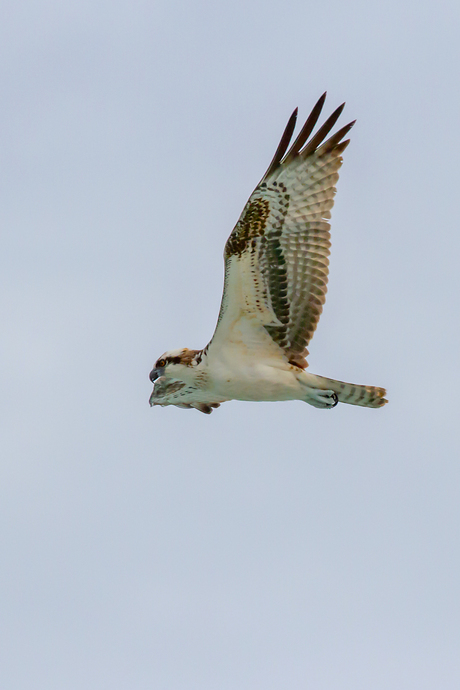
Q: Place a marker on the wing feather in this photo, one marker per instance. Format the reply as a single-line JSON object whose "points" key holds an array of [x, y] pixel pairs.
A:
{"points": [[276, 258], [284, 143], [306, 130]]}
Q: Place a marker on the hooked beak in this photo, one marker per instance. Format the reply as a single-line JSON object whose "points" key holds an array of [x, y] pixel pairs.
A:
{"points": [[154, 374]]}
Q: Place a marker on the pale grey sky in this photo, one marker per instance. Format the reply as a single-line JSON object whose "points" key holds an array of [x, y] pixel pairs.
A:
{"points": [[267, 546]]}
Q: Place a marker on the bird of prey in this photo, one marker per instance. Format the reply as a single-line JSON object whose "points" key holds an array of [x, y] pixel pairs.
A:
{"points": [[276, 270]]}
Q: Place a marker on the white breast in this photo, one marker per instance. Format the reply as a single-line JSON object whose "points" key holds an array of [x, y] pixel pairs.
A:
{"points": [[250, 366]]}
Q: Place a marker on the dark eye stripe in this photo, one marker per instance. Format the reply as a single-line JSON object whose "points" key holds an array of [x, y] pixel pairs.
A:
{"points": [[161, 363]]}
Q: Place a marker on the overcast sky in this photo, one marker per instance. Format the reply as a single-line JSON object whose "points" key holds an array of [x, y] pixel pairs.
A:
{"points": [[268, 546]]}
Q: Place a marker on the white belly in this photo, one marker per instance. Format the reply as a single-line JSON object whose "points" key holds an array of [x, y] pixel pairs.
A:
{"points": [[244, 363], [255, 381]]}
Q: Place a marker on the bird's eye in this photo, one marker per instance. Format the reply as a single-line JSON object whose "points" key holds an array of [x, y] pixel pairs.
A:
{"points": [[161, 363]]}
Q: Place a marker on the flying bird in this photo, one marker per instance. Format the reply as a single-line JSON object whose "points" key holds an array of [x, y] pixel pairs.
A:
{"points": [[276, 271]]}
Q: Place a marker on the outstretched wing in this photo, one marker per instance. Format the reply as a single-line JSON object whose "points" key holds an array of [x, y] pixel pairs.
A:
{"points": [[276, 258]]}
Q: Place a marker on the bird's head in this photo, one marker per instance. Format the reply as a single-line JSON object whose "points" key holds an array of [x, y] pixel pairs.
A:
{"points": [[175, 364], [173, 371]]}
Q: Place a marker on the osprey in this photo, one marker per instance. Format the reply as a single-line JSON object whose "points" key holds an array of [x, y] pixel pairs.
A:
{"points": [[276, 269]]}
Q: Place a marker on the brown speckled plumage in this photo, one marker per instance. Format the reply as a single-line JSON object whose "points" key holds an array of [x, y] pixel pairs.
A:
{"points": [[250, 226]]}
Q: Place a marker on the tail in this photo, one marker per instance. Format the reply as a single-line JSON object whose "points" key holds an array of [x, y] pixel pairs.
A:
{"points": [[366, 396]]}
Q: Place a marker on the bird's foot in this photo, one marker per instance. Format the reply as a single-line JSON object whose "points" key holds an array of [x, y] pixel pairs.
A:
{"points": [[324, 400]]}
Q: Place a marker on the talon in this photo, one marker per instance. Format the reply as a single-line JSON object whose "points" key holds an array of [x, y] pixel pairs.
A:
{"points": [[335, 398]]}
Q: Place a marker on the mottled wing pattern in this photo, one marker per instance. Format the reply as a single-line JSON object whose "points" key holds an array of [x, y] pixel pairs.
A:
{"points": [[276, 258]]}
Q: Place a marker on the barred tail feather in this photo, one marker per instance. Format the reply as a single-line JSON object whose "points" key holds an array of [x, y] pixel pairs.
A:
{"points": [[353, 394]]}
